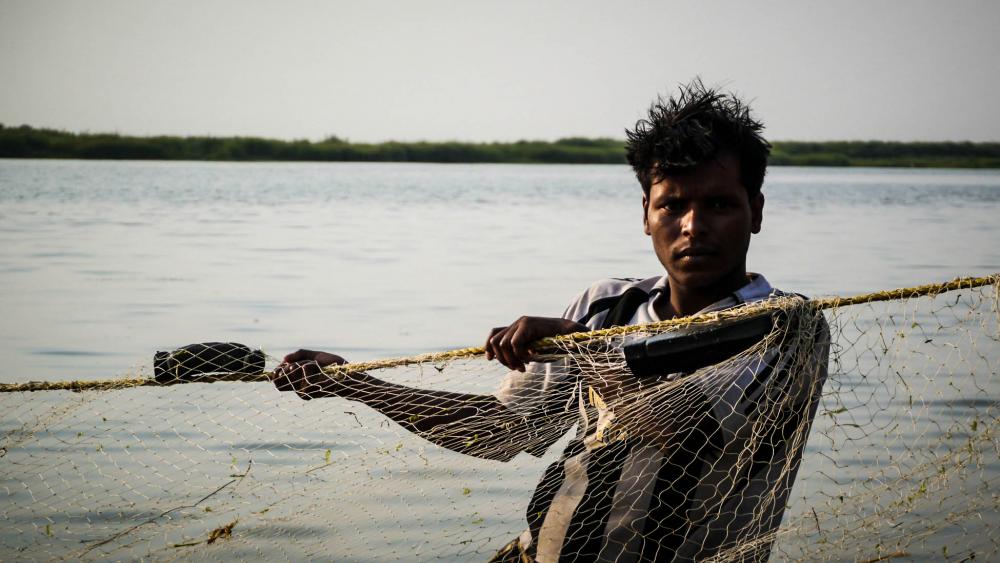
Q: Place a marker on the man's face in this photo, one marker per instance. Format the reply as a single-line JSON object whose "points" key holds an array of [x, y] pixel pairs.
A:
{"points": [[701, 222]]}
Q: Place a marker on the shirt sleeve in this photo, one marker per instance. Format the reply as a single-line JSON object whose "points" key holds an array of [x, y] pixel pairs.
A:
{"points": [[545, 393]]}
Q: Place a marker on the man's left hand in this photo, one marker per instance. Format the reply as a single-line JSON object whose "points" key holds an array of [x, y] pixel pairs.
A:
{"points": [[511, 345]]}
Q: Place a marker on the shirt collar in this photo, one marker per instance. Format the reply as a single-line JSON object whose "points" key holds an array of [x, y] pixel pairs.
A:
{"points": [[756, 289]]}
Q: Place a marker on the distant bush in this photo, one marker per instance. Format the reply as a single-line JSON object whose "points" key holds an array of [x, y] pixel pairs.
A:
{"points": [[887, 153], [28, 142]]}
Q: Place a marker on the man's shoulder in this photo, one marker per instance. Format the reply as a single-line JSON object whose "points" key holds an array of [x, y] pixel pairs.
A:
{"points": [[812, 323], [603, 294]]}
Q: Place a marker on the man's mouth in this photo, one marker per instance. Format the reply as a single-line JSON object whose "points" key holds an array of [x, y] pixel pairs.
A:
{"points": [[695, 252]]}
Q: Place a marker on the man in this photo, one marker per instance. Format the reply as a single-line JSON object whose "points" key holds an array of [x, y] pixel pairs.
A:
{"points": [[670, 468]]}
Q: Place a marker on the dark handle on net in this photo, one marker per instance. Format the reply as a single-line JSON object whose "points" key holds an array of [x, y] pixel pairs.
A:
{"points": [[194, 360], [685, 352]]}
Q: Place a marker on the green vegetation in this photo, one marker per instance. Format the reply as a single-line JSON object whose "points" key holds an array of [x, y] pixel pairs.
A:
{"points": [[28, 142], [883, 153]]}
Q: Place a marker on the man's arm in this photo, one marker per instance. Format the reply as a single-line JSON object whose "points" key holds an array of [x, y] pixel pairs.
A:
{"points": [[477, 425]]}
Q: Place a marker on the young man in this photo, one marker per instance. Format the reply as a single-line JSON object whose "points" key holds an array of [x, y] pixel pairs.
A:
{"points": [[662, 469]]}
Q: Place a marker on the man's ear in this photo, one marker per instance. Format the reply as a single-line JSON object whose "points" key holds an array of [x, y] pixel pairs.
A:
{"points": [[645, 213], [756, 212]]}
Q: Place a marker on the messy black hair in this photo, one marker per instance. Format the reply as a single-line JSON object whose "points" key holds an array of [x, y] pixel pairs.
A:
{"points": [[695, 127]]}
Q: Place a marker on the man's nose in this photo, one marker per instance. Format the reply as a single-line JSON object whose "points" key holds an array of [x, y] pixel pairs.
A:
{"points": [[693, 222]]}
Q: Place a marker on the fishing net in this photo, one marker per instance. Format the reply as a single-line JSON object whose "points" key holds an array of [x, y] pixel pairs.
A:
{"points": [[860, 428]]}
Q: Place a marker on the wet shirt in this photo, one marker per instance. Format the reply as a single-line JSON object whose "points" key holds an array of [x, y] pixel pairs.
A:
{"points": [[716, 484]]}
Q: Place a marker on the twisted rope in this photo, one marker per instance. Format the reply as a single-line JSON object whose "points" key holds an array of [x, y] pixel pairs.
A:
{"points": [[557, 344]]}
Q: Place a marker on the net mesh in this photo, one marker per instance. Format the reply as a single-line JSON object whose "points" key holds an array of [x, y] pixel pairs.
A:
{"points": [[856, 429]]}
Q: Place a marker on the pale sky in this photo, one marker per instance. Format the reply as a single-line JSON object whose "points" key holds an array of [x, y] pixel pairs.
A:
{"points": [[481, 71]]}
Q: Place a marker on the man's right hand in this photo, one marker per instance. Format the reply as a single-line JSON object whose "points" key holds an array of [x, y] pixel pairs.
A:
{"points": [[302, 372], [511, 345]]}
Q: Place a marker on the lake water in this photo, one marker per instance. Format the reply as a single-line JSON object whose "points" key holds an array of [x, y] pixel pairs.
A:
{"points": [[103, 263]]}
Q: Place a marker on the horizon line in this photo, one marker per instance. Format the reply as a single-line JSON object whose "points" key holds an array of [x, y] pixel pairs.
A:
{"points": [[335, 137]]}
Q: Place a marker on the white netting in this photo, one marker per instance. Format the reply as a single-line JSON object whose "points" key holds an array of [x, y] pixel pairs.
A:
{"points": [[901, 459]]}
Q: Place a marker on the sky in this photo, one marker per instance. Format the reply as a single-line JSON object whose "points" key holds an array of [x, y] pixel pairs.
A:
{"points": [[496, 71]]}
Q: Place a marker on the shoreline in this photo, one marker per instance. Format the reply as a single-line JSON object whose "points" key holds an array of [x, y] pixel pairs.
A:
{"points": [[25, 142]]}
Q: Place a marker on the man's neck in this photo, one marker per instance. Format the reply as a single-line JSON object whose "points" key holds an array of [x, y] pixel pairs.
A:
{"points": [[686, 301]]}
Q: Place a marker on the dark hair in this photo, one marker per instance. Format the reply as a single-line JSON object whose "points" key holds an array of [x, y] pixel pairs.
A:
{"points": [[693, 128]]}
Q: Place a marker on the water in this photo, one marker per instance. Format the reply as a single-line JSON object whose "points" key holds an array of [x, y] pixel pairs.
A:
{"points": [[104, 263]]}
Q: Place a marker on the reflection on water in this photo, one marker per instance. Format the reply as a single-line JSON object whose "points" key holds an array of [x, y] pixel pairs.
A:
{"points": [[104, 263]]}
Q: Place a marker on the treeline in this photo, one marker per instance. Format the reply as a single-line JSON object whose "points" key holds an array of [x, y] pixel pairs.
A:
{"points": [[886, 153], [28, 142]]}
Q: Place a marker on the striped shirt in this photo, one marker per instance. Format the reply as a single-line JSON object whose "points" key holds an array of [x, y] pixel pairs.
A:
{"points": [[716, 485]]}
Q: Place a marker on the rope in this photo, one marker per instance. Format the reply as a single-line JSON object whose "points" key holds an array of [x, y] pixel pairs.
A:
{"points": [[557, 344], [127, 383]]}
